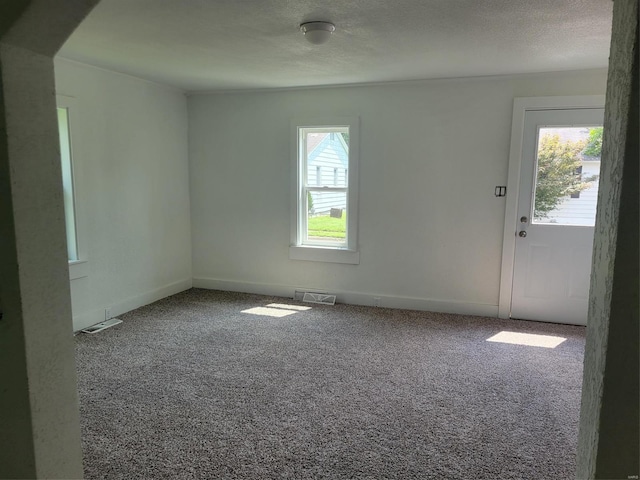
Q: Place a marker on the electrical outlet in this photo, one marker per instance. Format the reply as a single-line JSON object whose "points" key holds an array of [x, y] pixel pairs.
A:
{"points": [[376, 301], [107, 313]]}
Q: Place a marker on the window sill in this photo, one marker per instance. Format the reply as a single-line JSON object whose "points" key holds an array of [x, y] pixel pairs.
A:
{"points": [[78, 269], [324, 254]]}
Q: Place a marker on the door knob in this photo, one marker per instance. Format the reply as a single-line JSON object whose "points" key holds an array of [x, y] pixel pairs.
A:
{"points": [[522, 233]]}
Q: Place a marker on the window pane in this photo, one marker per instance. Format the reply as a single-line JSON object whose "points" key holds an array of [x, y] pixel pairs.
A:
{"points": [[67, 183], [327, 218], [568, 168], [327, 158]]}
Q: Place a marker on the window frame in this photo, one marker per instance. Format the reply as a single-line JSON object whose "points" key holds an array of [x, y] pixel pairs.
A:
{"points": [[68, 183], [300, 248], [78, 268]]}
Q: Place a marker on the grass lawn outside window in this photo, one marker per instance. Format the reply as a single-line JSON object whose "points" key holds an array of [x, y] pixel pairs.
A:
{"points": [[325, 226]]}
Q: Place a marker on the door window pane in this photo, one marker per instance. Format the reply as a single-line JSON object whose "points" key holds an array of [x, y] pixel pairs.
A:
{"points": [[567, 174]]}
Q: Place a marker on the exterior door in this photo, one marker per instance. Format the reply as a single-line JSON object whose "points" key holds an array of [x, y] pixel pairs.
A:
{"points": [[556, 214]]}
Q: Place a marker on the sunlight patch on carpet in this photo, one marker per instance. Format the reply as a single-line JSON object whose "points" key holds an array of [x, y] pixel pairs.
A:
{"points": [[269, 312], [528, 339]]}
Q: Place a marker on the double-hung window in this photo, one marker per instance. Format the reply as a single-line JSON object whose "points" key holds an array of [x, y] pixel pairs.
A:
{"points": [[325, 210]]}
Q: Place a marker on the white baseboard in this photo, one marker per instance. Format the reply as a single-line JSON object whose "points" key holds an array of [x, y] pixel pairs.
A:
{"points": [[353, 298], [94, 316]]}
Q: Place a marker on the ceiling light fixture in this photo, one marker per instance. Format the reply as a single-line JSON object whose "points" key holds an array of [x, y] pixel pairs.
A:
{"points": [[317, 32]]}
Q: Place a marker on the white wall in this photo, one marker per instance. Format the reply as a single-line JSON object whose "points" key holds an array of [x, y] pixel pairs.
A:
{"points": [[132, 190], [431, 153]]}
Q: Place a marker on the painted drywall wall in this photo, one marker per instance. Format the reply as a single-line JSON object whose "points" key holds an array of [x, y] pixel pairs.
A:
{"points": [[130, 163], [608, 440], [431, 153], [39, 418], [38, 385]]}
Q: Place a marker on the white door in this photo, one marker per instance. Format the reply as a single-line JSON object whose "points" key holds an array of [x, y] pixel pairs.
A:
{"points": [[556, 215]]}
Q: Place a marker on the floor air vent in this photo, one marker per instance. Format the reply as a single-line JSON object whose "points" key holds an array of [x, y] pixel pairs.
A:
{"points": [[98, 327], [324, 298]]}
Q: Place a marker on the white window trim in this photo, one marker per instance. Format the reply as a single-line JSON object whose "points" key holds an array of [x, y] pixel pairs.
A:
{"points": [[332, 254], [77, 268]]}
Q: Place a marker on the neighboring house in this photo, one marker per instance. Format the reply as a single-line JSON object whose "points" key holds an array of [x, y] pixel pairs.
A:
{"points": [[580, 209], [327, 157]]}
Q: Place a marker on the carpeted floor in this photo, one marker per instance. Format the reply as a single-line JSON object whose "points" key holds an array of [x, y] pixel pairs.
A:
{"points": [[192, 387]]}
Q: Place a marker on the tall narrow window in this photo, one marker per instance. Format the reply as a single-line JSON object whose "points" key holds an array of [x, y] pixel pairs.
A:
{"points": [[326, 208], [67, 183]]}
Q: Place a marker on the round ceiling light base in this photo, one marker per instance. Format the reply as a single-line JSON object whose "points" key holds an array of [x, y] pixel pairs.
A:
{"points": [[317, 32]]}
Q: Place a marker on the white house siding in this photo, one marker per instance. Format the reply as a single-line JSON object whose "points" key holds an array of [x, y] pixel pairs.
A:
{"points": [[327, 166], [582, 210]]}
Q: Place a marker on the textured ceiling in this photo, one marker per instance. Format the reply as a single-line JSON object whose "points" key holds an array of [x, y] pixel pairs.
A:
{"points": [[234, 44]]}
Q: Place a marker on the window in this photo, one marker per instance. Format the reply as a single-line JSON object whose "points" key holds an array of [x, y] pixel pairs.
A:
{"points": [[324, 218], [78, 264], [67, 182]]}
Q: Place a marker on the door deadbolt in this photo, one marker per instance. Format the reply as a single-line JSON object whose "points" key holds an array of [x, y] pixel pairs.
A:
{"points": [[523, 219], [522, 233]]}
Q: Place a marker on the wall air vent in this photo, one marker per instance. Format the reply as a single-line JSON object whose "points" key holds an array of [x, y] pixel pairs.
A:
{"points": [[98, 327], [323, 298]]}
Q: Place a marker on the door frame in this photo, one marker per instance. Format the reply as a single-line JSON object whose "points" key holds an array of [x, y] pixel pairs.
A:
{"points": [[521, 105]]}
